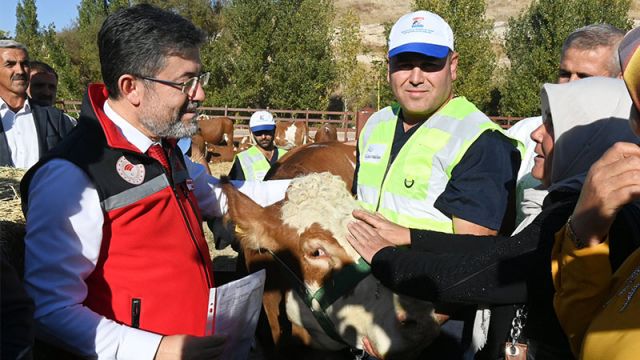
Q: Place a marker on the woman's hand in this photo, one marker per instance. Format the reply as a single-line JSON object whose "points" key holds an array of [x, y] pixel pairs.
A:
{"points": [[370, 233], [612, 182], [393, 233]]}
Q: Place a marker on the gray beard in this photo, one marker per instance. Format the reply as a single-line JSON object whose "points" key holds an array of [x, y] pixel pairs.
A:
{"points": [[178, 129]]}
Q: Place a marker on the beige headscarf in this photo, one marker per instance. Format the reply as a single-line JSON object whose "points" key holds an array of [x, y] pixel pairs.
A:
{"points": [[588, 116]]}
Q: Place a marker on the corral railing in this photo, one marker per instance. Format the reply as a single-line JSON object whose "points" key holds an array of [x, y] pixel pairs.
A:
{"points": [[346, 121]]}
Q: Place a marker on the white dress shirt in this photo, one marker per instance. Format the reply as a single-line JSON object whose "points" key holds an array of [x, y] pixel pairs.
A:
{"points": [[62, 245], [22, 138]]}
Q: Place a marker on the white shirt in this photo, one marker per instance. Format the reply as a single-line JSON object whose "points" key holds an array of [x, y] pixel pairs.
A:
{"points": [[20, 131], [62, 245]]}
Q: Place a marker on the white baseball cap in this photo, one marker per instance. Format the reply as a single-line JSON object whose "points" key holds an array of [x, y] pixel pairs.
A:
{"points": [[421, 32], [261, 121]]}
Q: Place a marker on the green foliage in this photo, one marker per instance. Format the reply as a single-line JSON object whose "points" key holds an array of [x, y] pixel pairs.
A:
{"points": [[240, 57], [91, 14], [382, 96], [272, 53], [44, 45], [57, 57], [473, 34], [27, 27], [534, 43], [356, 82], [302, 72], [4, 35]]}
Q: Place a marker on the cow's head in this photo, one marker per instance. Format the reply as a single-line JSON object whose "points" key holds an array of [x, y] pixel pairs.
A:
{"points": [[307, 230]]}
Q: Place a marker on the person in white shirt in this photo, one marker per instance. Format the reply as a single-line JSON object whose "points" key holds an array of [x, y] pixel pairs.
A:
{"points": [[28, 130], [115, 256]]}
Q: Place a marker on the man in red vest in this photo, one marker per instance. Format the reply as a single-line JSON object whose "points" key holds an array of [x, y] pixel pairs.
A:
{"points": [[115, 257]]}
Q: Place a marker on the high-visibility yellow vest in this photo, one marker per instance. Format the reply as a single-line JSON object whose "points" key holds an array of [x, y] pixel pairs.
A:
{"points": [[405, 191], [254, 165]]}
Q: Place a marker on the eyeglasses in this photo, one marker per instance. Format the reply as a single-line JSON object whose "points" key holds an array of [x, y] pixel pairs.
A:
{"points": [[188, 87]]}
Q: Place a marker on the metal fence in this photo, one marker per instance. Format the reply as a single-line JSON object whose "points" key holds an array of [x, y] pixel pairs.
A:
{"points": [[345, 121]]}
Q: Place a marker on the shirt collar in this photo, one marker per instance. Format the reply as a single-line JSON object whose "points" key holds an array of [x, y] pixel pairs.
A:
{"points": [[133, 135], [4, 107]]}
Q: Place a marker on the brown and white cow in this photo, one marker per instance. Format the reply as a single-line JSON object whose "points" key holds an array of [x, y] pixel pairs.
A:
{"points": [[216, 130], [326, 132], [334, 157], [214, 140], [291, 134], [305, 235]]}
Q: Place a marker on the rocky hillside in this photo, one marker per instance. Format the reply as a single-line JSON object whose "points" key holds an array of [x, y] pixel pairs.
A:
{"points": [[374, 13]]}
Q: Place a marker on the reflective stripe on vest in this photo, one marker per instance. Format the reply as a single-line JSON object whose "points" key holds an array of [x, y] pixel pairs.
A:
{"points": [[406, 190], [254, 164]]}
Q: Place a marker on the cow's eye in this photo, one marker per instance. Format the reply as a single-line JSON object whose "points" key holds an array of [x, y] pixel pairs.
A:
{"points": [[318, 252]]}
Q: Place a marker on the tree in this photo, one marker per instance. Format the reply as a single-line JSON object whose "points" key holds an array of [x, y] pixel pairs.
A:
{"points": [[81, 42], [239, 58], [205, 14], [273, 53], [58, 58], [534, 43], [355, 81], [27, 27], [301, 74], [44, 45], [473, 35]]}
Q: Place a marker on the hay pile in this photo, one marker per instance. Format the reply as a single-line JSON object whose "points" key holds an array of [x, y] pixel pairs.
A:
{"points": [[11, 219], [10, 194], [220, 169]]}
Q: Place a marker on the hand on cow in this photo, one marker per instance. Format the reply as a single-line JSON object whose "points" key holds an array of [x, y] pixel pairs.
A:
{"points": [[393, 233], [366, 240], [611, 183], [183, 347]]}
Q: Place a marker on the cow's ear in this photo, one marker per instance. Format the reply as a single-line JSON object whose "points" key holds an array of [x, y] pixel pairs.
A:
{"points": [[254, 224]]}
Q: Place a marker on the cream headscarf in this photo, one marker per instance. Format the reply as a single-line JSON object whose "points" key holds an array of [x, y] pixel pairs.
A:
{"points": [[588, 117]]}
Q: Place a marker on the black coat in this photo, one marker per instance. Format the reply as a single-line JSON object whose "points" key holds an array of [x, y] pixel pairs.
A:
{"points": [[51, 126], [498, 270]]}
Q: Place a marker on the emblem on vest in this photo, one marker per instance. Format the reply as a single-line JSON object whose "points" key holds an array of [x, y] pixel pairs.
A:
{"points": [[133, 174], [409, 183]]}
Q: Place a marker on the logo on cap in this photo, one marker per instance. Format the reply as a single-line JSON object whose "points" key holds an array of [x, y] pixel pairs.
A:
{"points": [[417, 22]]}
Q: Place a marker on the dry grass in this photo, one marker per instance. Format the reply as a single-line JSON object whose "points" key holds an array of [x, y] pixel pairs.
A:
{"points": [[10, 194], [220, 169]]}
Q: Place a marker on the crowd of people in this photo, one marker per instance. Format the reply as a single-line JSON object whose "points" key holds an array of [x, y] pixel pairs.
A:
{"points": [[525, 240]]}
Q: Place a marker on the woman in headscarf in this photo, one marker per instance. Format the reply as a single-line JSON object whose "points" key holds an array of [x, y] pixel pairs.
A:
{"points": [[581, 120], [596, 301]]}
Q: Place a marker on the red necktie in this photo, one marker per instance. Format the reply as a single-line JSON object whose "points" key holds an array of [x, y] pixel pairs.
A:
{"points": [[157, 152]]}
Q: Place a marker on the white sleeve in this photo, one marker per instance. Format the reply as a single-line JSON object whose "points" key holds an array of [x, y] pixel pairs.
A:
{"points": [[213, 202], [62, 245]]}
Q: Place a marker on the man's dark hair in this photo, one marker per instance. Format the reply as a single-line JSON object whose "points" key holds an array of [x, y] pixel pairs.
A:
{"points": [[40, 67], [137, 41]]}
